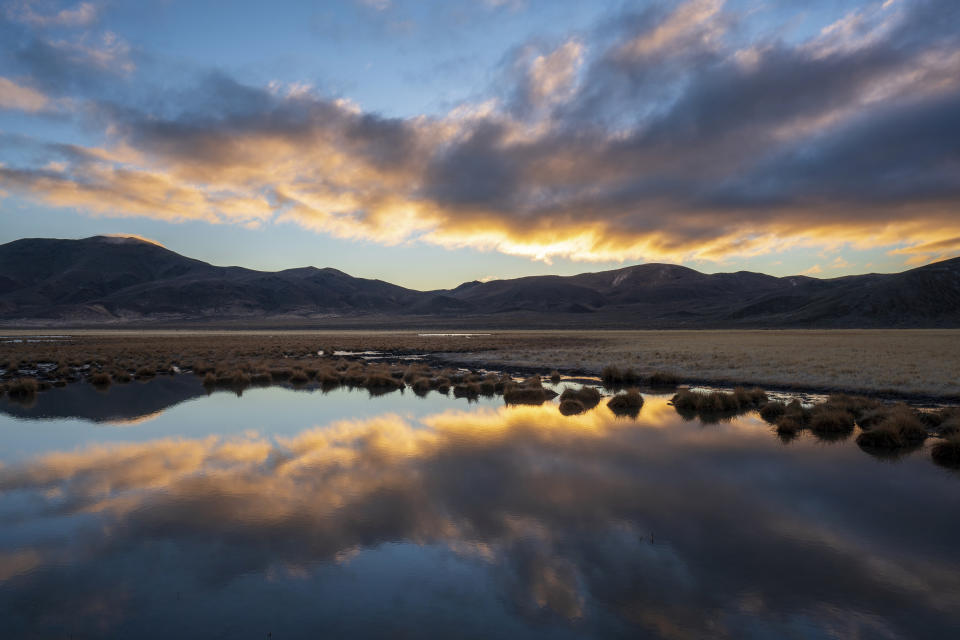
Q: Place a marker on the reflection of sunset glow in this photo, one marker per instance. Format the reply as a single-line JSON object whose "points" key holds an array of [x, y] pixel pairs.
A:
{"points": [[130, 422], [562, 510]]}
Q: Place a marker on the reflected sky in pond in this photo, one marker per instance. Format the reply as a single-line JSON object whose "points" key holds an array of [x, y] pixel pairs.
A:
{"points": [[302, 514]]}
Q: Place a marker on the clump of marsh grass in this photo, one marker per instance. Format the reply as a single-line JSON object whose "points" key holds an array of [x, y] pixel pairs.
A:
{"points": [[554, 376], [613, 376], [468, 390], [23, 388], [717, 404], [261, 378], [900, 428], [663, 379], [586, 397], [771, 411], [530, 391], [299, 377], [947, 453], [571, 407], [421, 386], [831, 423], [144, 373], [121, 376], [379, 382], [100, 379], [792, 420], [281, 373], [627, 403]]}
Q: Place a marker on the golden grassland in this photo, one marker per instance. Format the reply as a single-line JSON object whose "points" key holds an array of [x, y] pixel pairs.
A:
{"points": [[895, 362]]}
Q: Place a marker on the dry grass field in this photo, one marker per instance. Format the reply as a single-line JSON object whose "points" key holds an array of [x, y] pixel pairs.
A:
{"points": [[895, 362]]}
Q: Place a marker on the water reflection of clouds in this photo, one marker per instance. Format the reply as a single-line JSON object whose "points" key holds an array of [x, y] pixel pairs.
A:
{"points": [[588, 523]]}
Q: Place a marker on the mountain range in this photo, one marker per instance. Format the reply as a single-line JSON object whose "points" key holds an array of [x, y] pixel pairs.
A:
{"points": [[122, 280]]}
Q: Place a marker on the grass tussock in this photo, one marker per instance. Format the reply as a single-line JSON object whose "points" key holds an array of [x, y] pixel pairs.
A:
{"points": [[530, 391], [101, 379], [468, 390], [663, 379], [571, 407], [422, 386], [23, 388], [717, 404], [586, 397], [899, 427], [614, 376], [382, 382], [829, 422], [627, 403], [771, 411], [555, 376], [299, 377], [947, 453]]}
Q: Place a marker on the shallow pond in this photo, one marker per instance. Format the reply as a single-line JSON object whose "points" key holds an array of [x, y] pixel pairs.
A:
{"points": [[158, 511]]}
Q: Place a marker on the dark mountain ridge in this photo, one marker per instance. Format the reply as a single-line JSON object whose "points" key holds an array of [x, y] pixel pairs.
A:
{"points": [[127, 280]]}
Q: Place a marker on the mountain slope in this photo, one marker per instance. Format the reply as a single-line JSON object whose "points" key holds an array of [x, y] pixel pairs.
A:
{"points": [[106, 279], [128, 278]]}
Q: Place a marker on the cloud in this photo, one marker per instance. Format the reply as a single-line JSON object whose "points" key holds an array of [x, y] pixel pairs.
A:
{"points": [[666, 137], [378, 5], [80, 15], [20, 98]]}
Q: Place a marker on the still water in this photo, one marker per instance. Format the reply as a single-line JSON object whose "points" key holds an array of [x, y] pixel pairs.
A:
{"points": [[158, 511]]}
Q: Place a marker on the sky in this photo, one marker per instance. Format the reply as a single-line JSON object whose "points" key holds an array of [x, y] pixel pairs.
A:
{"points": [[429, 143]]}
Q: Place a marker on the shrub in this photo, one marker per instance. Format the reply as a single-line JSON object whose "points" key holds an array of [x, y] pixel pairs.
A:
{"points": [[554, 376], [626, 403]]}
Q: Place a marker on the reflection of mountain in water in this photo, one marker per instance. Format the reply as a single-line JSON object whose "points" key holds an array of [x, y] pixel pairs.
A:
{"points": [[116, 404], [509, 522]]}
